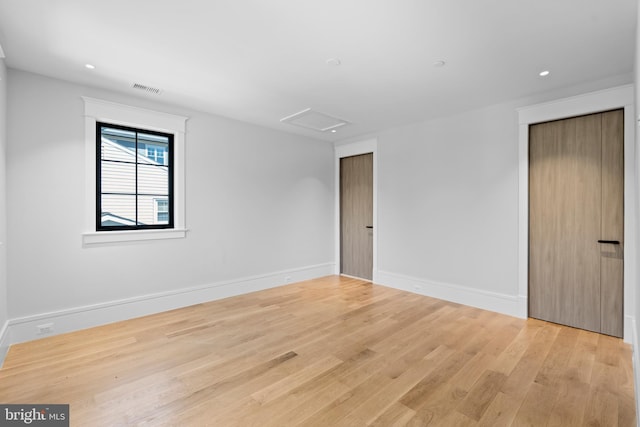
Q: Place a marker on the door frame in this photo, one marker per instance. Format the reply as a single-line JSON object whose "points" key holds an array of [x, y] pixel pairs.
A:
{"points": [[593, 102], [348, 150]]}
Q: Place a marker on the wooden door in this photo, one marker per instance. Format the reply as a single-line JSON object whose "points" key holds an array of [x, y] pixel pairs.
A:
{"points": [[356, 216], [576, 182]]}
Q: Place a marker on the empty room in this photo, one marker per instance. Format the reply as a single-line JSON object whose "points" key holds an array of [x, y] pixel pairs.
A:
{"points": [[319, 213]]}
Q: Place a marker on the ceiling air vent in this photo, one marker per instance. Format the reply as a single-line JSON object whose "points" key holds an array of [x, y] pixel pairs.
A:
{"points": [[314, 120], [153, 90]]}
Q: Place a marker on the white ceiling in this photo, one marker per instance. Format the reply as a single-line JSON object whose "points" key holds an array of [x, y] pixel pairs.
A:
{"points": [[262, 60]]}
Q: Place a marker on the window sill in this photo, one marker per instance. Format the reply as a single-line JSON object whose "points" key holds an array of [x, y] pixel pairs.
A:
{"points": [[105, 237]]}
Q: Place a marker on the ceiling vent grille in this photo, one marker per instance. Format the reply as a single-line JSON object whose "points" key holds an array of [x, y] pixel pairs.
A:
{"points": [[314, 120], [153, 90]]}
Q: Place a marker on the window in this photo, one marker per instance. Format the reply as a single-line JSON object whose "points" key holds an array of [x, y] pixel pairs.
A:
{"points": [[125, 124], [134, 190], [157, 153], [162, 211]]}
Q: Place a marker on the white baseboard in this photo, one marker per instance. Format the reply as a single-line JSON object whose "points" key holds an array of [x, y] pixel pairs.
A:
{"points": [[511, 305], [76, 318]]}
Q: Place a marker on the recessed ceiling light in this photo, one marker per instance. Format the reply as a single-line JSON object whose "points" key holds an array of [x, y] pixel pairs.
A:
{"points": [[90, 66], [544, 73], [439, 64], [333, 61], [333, 131]]}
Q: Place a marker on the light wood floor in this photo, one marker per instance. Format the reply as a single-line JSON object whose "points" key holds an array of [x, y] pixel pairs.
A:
{"points": [[328, 352]]}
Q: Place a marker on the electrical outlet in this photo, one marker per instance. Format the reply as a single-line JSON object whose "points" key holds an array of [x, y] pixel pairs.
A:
{"points": [[45, 329]]}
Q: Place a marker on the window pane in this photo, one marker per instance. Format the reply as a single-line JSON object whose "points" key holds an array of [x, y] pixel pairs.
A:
{"points": [[118, 210], [158, 155], [147, 210], [153, 179], [162, 211], [156, 148], [118, 145], [134, 178], [118, 177]]}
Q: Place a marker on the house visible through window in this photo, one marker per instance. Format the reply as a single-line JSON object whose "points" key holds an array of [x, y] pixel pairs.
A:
{"points": [[134, 178], [157, 153], [162, 210]]}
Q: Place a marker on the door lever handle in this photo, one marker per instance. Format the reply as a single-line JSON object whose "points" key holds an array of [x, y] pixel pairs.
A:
{"points": [[368, 226], [613, 242]]}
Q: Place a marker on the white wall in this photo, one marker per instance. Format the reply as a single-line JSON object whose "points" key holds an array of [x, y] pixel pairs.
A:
{"points": [[448, 202], [259, 202], [3, 211]]}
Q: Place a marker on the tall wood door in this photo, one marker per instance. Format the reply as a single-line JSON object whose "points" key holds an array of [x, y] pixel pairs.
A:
{"points": [[576, 188], [356, 216]]}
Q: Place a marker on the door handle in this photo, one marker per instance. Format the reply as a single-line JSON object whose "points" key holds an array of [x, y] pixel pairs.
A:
{"points": [[613, 242], [368, 226]]}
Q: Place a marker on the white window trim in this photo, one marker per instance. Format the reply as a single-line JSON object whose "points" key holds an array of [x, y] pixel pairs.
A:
{"points": [[97, 110]]}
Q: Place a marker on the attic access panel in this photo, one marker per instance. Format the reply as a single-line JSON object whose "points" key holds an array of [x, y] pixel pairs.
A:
{"points": [[314, 120]]}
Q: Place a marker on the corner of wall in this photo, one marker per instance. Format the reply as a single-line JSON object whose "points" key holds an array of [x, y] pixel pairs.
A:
{"points": [[485, 300], [5, 342], [4, 335], [635, 358], [636, 185]]}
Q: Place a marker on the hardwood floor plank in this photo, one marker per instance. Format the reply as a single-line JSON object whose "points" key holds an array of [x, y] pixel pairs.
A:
{"points": [[420, 394], [570, 403], [501, 412], [384, 397], [396, 415], [558, 358], [439, 407], [531, 361], [502, 337], [292, 381], [580, 365], [327, 352], [482, 395], [456, 419], [302, 404], [509, 358], [602, 409], [536, 407], [472, 371], [333, 413]]}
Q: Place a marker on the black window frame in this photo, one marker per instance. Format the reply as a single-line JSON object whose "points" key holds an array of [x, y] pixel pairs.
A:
{"points": [[170, 172]]}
